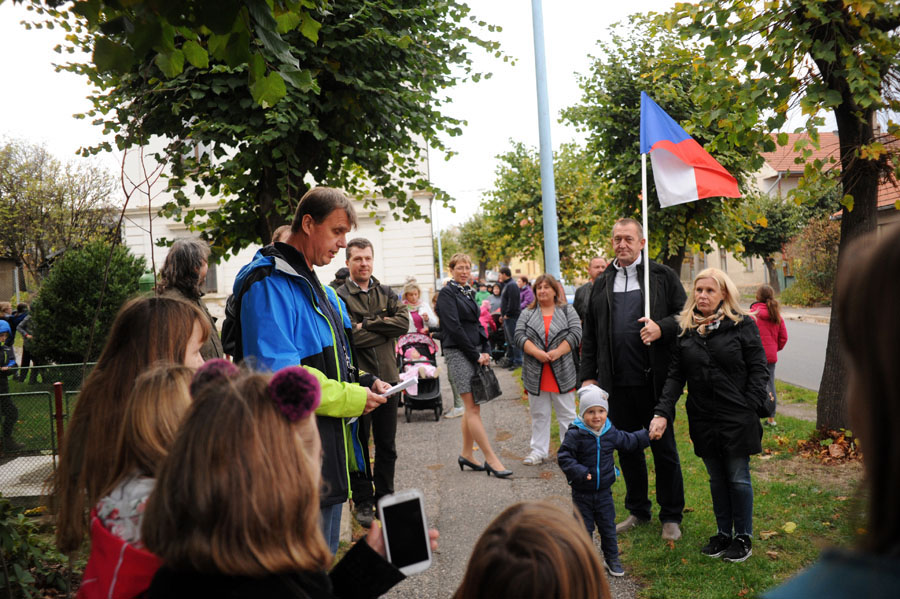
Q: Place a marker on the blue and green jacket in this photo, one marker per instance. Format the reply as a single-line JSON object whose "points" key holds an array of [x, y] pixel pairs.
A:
{"points": [[283, 323], [584, 452]]}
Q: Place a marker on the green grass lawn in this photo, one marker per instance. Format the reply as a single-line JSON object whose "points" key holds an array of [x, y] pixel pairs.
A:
{"points": [[790, 394]]}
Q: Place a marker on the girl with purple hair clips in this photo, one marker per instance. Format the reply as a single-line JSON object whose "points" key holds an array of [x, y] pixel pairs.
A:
{"points": [[236, 508]]}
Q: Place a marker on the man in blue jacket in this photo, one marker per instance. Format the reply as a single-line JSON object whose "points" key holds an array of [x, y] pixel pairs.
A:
{"points": [[287, 317]]}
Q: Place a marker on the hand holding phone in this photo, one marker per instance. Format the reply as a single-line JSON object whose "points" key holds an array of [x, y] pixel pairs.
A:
{"points": [[407, 541]]}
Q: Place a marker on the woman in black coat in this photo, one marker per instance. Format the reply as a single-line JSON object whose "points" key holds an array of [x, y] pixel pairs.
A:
{"points": [[720, 355], [465, 347]]}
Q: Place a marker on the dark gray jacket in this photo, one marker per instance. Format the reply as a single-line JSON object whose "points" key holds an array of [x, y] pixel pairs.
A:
{"points": [[565, 326]]}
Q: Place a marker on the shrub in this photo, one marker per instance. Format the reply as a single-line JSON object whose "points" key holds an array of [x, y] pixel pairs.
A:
{"points": [[28, 564], [70, 298], [813, 258]]}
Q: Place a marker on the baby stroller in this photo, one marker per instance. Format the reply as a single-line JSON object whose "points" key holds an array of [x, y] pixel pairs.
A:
{"points": [[427, 395], [497, 340]]}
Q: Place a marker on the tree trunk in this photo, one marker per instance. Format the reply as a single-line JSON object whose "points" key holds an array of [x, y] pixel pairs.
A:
{"points": [[769, 261], [859, 178], [675, 261]]}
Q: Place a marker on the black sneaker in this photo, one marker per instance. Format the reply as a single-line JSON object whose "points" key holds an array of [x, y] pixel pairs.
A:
{"points": [[739, 549], [717, 545], [365, 514]]}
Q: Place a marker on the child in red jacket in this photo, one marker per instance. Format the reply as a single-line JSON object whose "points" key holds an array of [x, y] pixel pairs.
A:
{"points": [[772, 332]]}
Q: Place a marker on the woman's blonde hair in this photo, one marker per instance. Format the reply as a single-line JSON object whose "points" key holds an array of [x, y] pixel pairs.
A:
{"points": [[409, 288], [146, 330], [457, 258], [239, 492], [153, 415], [730, 304], [534, 550]]}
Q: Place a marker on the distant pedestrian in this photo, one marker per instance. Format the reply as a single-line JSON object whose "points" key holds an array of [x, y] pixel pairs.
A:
{"points": [[183, 276], [281, 233], [773, 334], [7, 406], [494, 299], [25, 329], [340, 277], [421, 317], [6, 313], [586, 458], [509, 315], [526, 294], [596, 267], [482, 294]]}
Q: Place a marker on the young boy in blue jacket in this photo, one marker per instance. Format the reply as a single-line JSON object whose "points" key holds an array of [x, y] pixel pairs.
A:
{"points": [[586, 458]]}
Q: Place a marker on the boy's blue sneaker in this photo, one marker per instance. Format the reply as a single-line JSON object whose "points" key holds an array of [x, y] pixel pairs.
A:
{"points": [[614, 567]]}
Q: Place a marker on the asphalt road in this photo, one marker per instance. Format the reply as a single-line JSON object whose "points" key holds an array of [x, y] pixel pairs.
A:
{"points": [[802, 360]]}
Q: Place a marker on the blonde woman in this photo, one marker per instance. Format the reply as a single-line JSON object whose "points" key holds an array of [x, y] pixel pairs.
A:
{"points": [[720, 356], [421, 316]]}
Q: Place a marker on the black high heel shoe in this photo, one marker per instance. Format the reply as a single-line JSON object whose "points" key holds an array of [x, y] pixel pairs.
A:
{"points": [[464, 462], [497, 473]]}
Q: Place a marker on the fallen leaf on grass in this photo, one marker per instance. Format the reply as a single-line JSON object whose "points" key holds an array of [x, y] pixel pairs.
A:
{"points": [[671, 545], [767, 534], [773, 555], [766, 457], [688, 510], [743, 592], [841, 498], [789, 527], [684, 561]]}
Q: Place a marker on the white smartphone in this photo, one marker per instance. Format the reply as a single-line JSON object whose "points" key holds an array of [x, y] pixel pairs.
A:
{"points": [[405, 531]]}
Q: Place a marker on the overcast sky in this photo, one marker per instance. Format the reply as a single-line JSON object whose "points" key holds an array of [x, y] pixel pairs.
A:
{"points": [[37, 103]]}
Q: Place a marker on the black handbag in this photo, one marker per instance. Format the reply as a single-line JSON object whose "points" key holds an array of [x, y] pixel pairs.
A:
{"points": [[485, 385]]}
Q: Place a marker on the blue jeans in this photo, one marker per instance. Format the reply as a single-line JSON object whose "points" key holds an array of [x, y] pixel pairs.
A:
{"points": [[732, 494], [331, 525], [512, 350]]}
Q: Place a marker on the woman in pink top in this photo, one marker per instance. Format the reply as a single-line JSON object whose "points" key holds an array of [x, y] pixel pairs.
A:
{"points": [[772, 332]]}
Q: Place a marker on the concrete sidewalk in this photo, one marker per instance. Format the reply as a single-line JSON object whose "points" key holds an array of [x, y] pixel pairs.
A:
{"points": [[461, 504], [820, 315]]}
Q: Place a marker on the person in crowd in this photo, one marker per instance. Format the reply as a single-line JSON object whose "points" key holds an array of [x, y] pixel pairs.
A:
{"points": [[119, 565], [483, 293], [6, 314], [281, 233], [509, 316], [586, 458], [26, 330], [628, 354], [534, 550], [226, 523], [526, 295], [421, 316], [865, 288], [378, 318], [465, 348], [7, 406], [547, 332], [595, 268], [183, 276], [146, 330], [286, 317], [774, 336], [340, 277], [18, 316], [720, 356], [485, 318], [458, 408], [496, 291]]}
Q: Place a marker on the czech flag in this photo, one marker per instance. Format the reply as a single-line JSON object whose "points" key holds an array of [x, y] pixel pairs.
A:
{"points": [[684, 172]]}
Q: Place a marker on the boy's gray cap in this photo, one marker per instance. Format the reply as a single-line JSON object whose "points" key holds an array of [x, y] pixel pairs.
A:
{"points": [[591, 397]]}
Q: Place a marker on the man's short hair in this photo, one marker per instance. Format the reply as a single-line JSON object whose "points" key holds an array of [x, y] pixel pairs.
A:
{"points": [[281, 233], [629, 221], [504, 270], [319, 202], [359, 243]]}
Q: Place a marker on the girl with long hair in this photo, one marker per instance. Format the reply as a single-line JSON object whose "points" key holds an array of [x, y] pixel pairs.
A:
{"points": [[773, 334]]}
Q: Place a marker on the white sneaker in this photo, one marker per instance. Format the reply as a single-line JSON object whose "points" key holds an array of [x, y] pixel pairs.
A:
{"points": [[455, 413], [533, 459]]}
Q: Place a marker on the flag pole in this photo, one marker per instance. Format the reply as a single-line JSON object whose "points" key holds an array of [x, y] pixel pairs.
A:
{"points": [[646, 236]]}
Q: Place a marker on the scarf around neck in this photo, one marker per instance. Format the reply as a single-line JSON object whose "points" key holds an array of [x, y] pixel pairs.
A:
{"points": [[706, 324], [466, 290]]}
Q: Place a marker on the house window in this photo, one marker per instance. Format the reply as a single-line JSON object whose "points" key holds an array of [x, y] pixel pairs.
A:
{"points": [[748, 265], [212, 285], [723, 260]]}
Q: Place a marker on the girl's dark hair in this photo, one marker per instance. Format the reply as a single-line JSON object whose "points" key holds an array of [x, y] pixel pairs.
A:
{"points": [[766, 294], [866, 289]]}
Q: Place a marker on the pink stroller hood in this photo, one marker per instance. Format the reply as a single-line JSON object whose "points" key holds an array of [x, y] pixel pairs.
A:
{"points": [[411, 338]]}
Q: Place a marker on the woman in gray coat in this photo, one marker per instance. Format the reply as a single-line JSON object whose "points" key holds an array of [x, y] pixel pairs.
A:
{"points": [[548, 332]]}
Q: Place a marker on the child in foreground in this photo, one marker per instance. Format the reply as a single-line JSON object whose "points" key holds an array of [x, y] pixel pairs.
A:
{"points": [[586, 458]]}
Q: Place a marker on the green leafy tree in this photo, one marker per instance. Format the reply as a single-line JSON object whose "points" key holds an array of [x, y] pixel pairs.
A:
{"points": [[609, 113], [777, 222], [71, 299], [47, 206], [514, 211], [477, 240], [382, 71], [449, 246], [762, 59], [813, 258]]}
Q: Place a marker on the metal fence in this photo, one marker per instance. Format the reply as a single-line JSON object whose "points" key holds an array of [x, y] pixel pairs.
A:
{"points": [[34, 413]]}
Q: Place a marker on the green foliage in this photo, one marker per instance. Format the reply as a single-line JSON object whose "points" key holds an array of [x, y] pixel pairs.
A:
{"points": [[813, 258], [775, 223], [477, 239], [364, 102], [514, 210], [70, 297], [449, 246], [641, 56], [30, 564], [47, 206], [124, 36]]}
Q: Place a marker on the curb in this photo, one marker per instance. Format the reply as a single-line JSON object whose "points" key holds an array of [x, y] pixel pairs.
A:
{"points": [[806, 318]]}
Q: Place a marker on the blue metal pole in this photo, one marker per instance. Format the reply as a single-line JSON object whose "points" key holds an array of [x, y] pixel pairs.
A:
{"points": [[548, 186]]}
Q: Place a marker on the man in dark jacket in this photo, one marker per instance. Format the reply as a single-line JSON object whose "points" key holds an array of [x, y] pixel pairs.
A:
{"points": [[595, 268], [635, 371], [287, 317], [378, 318], [509, 315]]}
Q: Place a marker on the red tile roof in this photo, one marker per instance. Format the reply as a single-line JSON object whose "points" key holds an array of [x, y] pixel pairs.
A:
{"points": [[782, 160]]}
